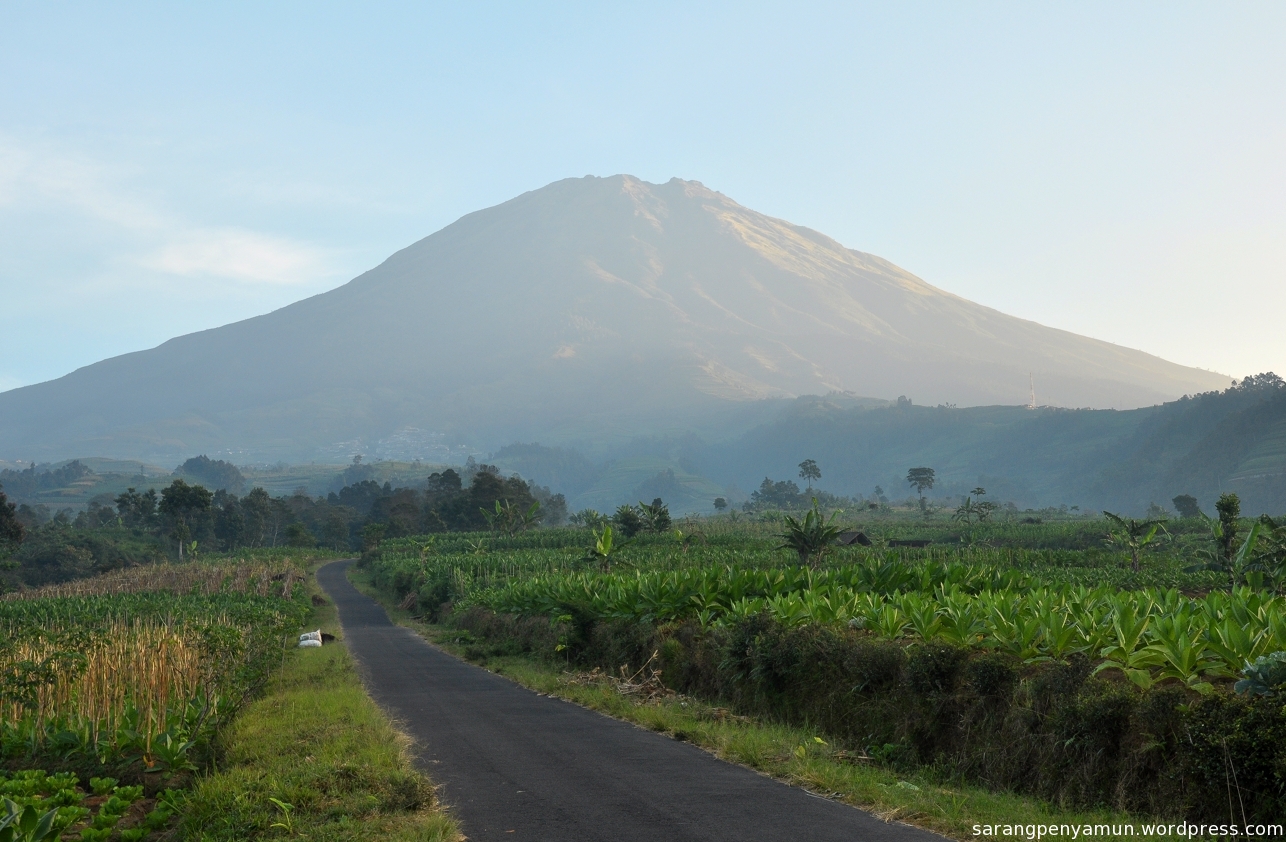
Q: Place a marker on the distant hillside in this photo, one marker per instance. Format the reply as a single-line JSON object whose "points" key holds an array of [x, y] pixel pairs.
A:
{"points": [[583, 314], [1233, 440]]}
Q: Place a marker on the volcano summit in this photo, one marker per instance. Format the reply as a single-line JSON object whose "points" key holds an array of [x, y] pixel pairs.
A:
{"points": [[587, 312]]}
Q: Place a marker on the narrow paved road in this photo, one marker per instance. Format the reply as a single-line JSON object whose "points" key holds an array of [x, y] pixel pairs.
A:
{"points": [[517, 766]]}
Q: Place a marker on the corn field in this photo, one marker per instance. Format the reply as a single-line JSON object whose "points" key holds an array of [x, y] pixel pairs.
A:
{"points": [[143, 665]]}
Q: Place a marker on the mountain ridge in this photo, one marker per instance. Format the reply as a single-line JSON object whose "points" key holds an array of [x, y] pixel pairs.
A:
{"points": [[586, 312]]}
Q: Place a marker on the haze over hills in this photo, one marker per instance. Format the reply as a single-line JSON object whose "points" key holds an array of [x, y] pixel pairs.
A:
{"points": [[1216, 442], [585, 313]]}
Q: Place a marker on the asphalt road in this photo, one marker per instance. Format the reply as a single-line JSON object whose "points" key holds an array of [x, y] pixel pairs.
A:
{"points": [[517, 766]]}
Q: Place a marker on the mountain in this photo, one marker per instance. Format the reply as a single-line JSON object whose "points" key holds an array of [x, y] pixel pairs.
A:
{"points": [[583, 314]]}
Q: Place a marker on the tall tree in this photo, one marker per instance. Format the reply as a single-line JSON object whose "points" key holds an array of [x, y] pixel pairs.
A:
{"points": [[921, 479], [256, 511], [808, 471], [1186, 505], [183, 505], [137, 509]]}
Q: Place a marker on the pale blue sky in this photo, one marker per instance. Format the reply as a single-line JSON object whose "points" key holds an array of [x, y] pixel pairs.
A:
{"points": [[1113, 169]]}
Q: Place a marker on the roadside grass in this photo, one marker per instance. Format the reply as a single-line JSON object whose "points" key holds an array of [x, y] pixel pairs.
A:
{"points": [[315, 758], [789, 754]]}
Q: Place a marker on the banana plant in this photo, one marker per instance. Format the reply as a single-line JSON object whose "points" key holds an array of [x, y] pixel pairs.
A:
{"points": [[605, 548], [1134, 535], [1270, 558], [810, 538], [967, 512]]}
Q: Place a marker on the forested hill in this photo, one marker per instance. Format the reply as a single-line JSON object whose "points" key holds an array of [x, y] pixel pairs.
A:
{"points": [[1233, 440]]}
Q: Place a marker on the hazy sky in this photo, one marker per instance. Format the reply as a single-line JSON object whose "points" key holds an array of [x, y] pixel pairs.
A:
{"points": [[1113, 169]]}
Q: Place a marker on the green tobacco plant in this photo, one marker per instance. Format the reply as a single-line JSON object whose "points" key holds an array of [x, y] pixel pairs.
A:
{"points": [[810, 538], [27, 824]]}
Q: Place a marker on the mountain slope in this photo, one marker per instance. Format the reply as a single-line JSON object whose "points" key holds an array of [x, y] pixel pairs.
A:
{"points": [[587, 312], [1234, 440]]}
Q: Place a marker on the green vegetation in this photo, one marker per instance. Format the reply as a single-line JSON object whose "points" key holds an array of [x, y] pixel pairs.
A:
{"points": [[43, 808], [1024, 656], [793, 753], [1198, 447], [1133, 535], [811, 537], [314, 758], [188, 520], [135, 673], [168, 689]]}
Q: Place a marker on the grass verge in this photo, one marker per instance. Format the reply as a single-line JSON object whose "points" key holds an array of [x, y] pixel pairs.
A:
{"points": [[315, 758], [792, 755]]}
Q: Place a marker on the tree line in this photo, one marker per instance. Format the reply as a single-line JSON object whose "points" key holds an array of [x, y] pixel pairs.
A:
{"points": [[187, 518]]}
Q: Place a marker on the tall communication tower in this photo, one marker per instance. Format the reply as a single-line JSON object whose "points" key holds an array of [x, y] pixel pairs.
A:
{"points": [[1032, 381]]}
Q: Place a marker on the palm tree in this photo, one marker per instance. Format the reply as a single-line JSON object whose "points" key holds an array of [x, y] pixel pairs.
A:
{"points": [[921, 479]]}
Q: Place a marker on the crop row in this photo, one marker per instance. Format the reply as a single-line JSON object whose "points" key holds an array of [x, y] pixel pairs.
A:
{"points": [[42, 806], [136, 676], [1147, 635], [713, 592], [254, 578], [450, 568]]}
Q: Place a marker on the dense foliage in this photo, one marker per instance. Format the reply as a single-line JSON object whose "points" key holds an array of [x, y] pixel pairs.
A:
{"points": [[25, 482], [142, 527]]}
